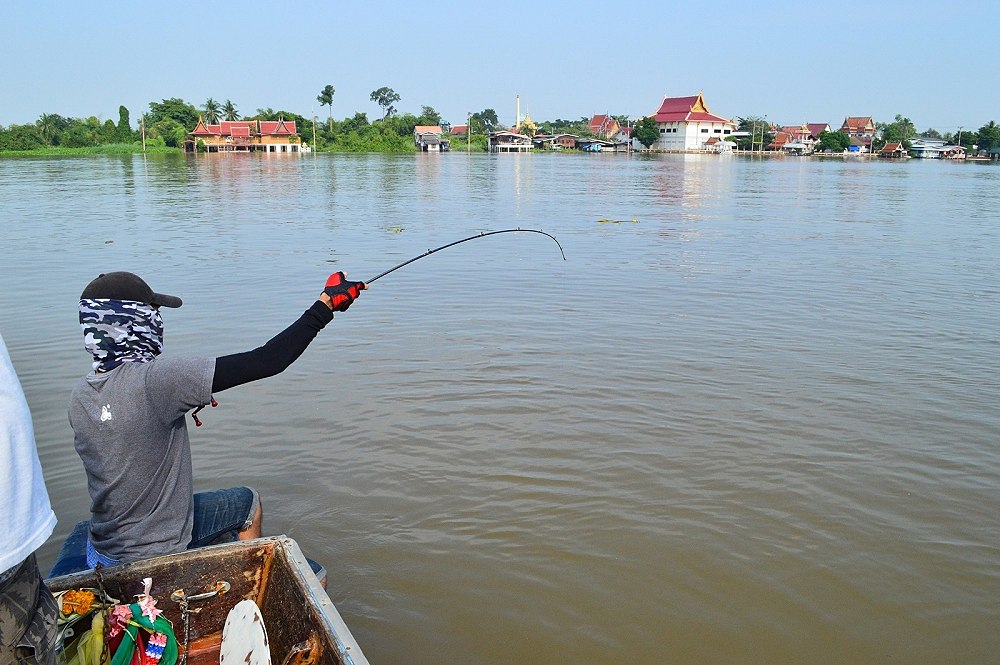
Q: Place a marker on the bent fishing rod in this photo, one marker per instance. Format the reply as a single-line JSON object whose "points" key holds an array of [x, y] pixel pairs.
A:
{"points": [[458, 242]]}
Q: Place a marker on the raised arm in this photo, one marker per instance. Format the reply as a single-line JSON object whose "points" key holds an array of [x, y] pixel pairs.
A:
{"points": [[284, 348]]}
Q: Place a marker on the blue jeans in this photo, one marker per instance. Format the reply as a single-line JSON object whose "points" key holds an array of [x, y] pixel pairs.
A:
{"points": [[220, 512]]}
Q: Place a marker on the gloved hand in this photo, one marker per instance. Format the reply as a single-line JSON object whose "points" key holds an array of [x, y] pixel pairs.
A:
{"points": [[340, 292]]}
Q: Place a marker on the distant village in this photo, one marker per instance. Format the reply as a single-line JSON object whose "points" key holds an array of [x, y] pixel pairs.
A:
{"points": [[685, 125]]}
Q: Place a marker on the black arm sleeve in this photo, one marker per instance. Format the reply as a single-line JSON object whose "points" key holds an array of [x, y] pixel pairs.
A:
{"points": [[275, 356]]}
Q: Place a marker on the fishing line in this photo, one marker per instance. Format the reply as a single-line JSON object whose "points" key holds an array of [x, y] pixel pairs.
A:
{"points": [[458, 242]]}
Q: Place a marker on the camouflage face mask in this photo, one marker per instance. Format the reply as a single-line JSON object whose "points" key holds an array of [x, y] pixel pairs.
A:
{"points": [[120, 331]]}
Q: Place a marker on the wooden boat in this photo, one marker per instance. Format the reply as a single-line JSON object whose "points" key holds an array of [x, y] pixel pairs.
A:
{"points": [[302, 624]]}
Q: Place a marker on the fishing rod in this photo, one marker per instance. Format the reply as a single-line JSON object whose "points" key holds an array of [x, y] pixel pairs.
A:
{"points": [[458, 242]]}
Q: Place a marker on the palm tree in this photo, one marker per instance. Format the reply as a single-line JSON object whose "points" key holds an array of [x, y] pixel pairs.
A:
{"points": [[229, 111], [212, 111], [48, 124]]}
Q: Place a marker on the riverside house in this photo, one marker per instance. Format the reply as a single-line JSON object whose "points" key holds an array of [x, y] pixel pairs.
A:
{"points": [[244, 136], [686, 124], [895, 150], [427, 138], [504, 141]]}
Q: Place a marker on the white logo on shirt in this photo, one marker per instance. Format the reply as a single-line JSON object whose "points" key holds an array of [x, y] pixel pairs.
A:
{"points": [[105, 413]]}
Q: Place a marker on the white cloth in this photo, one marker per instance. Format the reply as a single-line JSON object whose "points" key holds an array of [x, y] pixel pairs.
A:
{"points": [[26, 517]]}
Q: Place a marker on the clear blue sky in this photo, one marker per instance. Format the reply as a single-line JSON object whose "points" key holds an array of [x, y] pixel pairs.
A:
{"points": [[936, 63]]}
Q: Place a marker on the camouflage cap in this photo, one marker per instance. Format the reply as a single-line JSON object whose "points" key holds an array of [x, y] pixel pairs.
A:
{"points": [[126, 286]]}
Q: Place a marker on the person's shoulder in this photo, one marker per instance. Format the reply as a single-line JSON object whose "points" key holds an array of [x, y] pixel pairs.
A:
{"points": [[184, 380], [179, 361], [179, 364]]}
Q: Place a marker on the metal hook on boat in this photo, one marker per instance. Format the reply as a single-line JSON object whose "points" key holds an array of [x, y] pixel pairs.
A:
{"points": [[301, 652], [220, 588]]}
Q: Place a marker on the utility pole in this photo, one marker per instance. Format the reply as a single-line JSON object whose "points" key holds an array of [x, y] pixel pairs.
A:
{"points": [[468, 131], [959, 137]]}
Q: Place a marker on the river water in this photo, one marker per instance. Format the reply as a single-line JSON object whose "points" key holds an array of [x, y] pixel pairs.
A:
{"points": [[754, 418]]}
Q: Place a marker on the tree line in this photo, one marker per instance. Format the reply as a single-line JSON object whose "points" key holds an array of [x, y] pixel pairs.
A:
{"points": [[167, 123]]}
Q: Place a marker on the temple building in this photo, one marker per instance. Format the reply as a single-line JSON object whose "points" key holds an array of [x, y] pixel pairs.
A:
{"points": [[686, 124], [245, 136]]}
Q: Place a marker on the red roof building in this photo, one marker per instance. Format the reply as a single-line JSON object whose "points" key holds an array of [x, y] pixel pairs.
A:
{"points": [[244, 135], [779, 140], [201, 129], [797, 133], [686, 124], [604, 125], [858, 126], [279, 128], [893, 150], [817, 128]]}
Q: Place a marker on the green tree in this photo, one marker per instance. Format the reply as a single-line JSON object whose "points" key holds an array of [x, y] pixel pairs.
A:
{"points": [[230, 112], [428, 116], [168, 130], [485, 121], [900, 130], [50, 126], [325, 98], [385, 97], [646, 131], [124, 128], [966, 139], [80, 134], [833, 141], [560, 126], [355, 124], [989, 136], [759, 129], [22, 137], [109, 132], [212, 110], [402, 124], [172, 109]]}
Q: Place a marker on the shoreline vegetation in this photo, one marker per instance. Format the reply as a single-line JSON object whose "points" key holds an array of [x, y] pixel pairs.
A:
{"points": [[168, 124], [107, 149]]}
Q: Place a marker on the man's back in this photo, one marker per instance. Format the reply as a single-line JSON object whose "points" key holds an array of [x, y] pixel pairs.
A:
{"points": [[130, 432]]}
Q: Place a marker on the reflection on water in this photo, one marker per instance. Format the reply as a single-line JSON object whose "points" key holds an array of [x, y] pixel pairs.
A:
{"points": [[759, 424]]}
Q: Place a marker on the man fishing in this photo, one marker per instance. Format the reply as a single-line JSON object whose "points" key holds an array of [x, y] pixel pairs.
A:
{"points": [[129, 427]]}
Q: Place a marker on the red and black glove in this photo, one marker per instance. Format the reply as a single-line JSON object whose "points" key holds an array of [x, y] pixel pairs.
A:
{"points": [[341, 291]]}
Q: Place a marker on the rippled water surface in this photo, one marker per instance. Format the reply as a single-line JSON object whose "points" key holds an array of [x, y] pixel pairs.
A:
{"points": [[754, 421]]}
